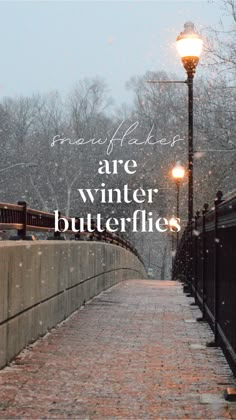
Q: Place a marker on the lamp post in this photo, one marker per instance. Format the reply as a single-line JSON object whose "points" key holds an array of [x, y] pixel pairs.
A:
{"points": [[189, 46], [173, 228], [178, 174]]}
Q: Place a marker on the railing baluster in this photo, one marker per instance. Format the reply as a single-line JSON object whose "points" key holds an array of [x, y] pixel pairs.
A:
{"points": [[22, 232], [195, 256], [218, 201], [204, 211]]}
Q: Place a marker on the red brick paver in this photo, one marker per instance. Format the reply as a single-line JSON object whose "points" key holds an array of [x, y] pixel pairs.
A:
{"points": [[129, 354]]}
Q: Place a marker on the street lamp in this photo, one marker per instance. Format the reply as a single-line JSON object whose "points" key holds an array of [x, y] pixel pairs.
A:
{"points": [[189, 46], [178, 172]]}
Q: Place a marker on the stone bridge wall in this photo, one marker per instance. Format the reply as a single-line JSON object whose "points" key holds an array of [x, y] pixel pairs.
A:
{"points": [[43, 282]]}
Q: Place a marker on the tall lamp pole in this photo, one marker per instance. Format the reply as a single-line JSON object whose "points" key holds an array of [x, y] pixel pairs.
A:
{"points": [[173, 228], [189, 46], [178, 174]]}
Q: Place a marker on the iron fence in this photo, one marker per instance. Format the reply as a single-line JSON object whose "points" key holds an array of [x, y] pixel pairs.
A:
{"points": [[206, 262], [23, 219]]}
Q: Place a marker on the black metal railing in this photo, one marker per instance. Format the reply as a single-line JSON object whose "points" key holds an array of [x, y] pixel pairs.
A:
{"points": [[206, 262], [23, 219]]}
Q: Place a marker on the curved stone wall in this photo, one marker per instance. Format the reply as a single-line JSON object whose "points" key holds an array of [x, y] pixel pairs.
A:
{"points": [[43, 282]]}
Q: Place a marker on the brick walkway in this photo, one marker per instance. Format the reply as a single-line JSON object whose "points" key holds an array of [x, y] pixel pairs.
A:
{"points": [[133, 352]]}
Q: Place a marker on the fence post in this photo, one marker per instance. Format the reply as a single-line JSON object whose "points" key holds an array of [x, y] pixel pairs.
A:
{"points": [[204, 211], [215, 343], [77, 225], [105, 234], [218, 201], [93, 226], [195, 259], [190, 261], [57, 235], [21, 233]]}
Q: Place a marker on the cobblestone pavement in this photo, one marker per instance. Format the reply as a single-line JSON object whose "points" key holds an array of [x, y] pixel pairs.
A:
{"points": [[133, 352]]}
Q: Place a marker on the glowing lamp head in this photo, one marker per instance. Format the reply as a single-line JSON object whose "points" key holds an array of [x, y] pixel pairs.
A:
{"points": [[189, 46], [178, 172], [173, 224]]}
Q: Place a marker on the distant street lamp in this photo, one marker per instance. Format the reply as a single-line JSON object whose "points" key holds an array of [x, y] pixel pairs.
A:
{"points": [[189, 46], [178, 172]]}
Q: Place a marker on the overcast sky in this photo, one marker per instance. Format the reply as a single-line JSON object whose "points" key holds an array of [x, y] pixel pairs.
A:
{"points": [[51, 45]]}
